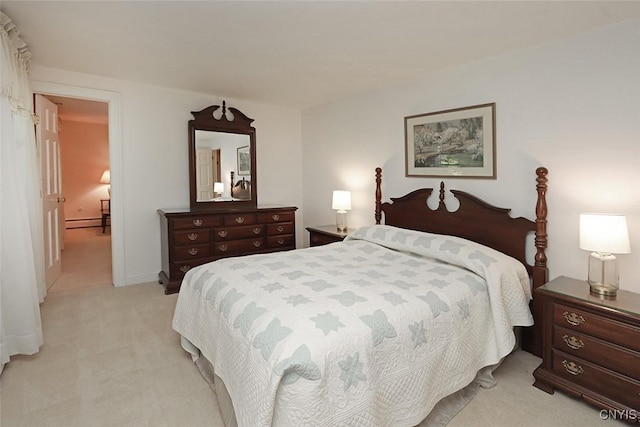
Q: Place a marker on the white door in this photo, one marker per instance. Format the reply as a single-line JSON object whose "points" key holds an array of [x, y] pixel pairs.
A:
{"points": [[53, 211], [204, 174]]}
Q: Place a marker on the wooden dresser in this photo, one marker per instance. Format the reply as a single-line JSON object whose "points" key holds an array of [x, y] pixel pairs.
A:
{"points": [[191, 238], [591, 346]]}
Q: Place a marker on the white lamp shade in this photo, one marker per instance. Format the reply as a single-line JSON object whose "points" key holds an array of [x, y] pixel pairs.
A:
{"points": [[604, 233], [218, 187], [106, 177], [341, 200]]}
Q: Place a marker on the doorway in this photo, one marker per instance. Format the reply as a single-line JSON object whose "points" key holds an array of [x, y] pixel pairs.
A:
{"points": [[82, 136], [112, 99]]}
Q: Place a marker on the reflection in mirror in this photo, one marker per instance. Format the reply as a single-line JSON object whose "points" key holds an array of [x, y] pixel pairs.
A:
{"points": [[220, 155], [222, 159]]}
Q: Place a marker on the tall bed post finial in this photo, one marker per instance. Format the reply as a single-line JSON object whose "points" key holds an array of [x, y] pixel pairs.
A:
{"points": [[378, 195], [541, 218]]}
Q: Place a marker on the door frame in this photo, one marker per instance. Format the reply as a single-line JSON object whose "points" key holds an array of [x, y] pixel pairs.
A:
{"points": [[115, 162]]}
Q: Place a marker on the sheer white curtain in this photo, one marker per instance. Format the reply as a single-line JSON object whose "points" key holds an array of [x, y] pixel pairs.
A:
{"points": [[22, 285]]}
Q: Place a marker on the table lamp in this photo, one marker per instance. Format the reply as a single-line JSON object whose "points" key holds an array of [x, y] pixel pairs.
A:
{"points": [[341, 203], [604, 235], [218, 188], [106, 179]]}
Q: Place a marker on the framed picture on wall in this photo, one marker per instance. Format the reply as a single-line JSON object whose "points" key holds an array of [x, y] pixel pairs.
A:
{"points": [[458, 143], [244, 161]]}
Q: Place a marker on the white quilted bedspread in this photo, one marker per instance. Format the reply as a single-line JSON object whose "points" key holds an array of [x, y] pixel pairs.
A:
{"points": [[372, 331]]}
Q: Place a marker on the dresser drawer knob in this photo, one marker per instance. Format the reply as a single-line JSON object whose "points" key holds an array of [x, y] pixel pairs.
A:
{"points": [[573, 318], [572, 368], [223, 248], [197, 222], [257, 230], [280, 229], [257, 243], [573, 342], [222, 233], [275, 217], [193, 251], [240, 220], [185, 268], [192, 236], [281, 241]]}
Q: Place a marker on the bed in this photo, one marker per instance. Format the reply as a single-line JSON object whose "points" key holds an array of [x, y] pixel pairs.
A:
{"points": [[388, 327]]}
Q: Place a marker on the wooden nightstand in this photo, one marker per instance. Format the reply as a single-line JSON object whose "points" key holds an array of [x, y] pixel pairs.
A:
{"points": [[325, 234], [591, 346]]}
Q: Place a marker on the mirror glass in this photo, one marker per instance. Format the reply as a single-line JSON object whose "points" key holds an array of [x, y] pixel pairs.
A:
{"points": [[222, 159], [218, 154]]}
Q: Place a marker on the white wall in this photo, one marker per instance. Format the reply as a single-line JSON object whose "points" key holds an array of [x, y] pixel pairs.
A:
{"points": [[571, 106], [154, 159]]}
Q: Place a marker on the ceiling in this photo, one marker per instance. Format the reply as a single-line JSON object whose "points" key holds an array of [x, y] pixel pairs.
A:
{"points": [[296, 54]]}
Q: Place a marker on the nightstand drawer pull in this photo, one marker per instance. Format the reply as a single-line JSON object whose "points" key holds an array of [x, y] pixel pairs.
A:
{"points": [[573, 318], [197, 222], [280, 229], [185, 268], [192, 236], [281, 241], [240, 220], [275, 217], [573, 342], [572, 368], [193, 251]]}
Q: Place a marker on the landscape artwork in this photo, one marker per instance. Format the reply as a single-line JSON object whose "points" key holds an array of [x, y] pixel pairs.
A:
{"points": [[452, 143]]}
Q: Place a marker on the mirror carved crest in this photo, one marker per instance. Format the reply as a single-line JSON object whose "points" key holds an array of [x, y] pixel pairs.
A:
{"points": [[222, 159]]}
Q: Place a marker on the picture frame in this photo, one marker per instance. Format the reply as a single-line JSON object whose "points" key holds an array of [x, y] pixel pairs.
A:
{"points": [[244, 161], [456, 143]]}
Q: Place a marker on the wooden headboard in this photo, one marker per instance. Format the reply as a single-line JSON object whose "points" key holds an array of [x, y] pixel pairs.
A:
{"points": [[480, 222]]}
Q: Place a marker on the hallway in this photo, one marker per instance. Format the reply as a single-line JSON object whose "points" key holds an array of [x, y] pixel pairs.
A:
{"points": [[86, 260]]}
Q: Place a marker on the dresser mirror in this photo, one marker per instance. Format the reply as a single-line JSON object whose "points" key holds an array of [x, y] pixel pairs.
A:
{"points": [[222, 159]]}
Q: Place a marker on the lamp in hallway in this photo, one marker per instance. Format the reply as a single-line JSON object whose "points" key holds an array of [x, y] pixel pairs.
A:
{"points": [[341, 203], [218, 188], [604, 235], [106, 179]]}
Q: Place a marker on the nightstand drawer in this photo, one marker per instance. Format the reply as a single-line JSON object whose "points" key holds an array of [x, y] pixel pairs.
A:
{"points": [[602, 381], [597, 326], [610, 356]]}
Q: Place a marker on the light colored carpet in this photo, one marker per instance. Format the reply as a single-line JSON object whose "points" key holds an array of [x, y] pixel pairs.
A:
{"points": [[110, 358]]}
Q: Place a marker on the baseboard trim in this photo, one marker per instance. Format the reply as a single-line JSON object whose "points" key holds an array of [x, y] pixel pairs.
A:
{"points": [[83, 223]]}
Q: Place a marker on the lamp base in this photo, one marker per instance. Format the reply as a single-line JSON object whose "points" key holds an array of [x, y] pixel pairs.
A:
{"points": [[341, 221], [598, 289]]}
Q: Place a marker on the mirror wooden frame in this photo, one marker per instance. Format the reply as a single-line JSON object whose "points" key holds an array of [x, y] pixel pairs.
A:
{"points": [[240, 124]]}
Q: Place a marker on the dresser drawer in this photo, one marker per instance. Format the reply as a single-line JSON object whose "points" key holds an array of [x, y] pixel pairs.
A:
{"points": [[280, 241], [196, 222], [269, 217], [239, 219], [191, 237], [602, 381], [233, 233], [192, 252], [280, 228], [238, 247], [610, 356], [597, 326], [180, 268]]}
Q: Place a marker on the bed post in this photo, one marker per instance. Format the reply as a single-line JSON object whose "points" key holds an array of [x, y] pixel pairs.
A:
{"points": [[532, 339], [378, 195]]}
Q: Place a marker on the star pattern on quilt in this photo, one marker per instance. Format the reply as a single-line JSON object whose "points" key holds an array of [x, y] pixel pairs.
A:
{"points": [[245, 319], [351, 371], [270, 287], [200, 281], [389, 256], [436, 305], [404, 285], [319, 285], [327, 322], [464, 309], [374, 274], [299, 365], [418, 333], [228, 301], [368, 250], [293, 275], [400, 237], [393, 298], [407, 273], [441, 270], [474, 283], [238, 266], [275, 265], [438, 283], [412, 263], [485, 259], [296, 300], [450, 246], [266, 340], [380, 326], [348, 298], [252, 277], [362, 282], [213, 290], [424, 242], [379, 233]]}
